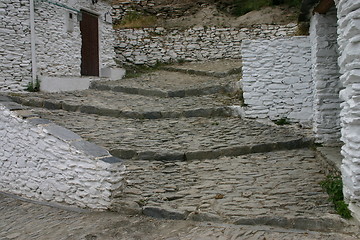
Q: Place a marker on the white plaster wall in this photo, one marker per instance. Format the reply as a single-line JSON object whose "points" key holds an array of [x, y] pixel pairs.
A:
{"points": [[59, 50], [37, 164], [152, 45], [276, 79], [349, 62], [326, 78], [15, 54]]}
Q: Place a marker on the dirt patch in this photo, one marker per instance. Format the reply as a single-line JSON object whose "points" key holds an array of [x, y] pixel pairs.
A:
{"points": [[210, 16]]}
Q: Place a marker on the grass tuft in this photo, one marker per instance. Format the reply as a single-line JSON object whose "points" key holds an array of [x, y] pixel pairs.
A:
{"points": [[333, 186]]}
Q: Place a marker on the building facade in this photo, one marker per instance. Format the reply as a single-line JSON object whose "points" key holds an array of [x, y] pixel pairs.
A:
{"points": [[54, 41]]}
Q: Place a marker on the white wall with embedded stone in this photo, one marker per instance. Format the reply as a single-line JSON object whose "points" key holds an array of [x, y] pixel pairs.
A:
{"points": [[276, 79], [151, 45], [349, 61], [15, 50], [42, 161], [57, 40], [326, 78]]}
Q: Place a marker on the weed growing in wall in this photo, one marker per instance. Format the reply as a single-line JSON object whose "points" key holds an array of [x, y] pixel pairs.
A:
{"points": [[282, 121], [333, 186], [33, 87]]}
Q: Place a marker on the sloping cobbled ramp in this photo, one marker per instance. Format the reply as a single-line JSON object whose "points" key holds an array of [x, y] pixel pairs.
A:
{"points": [[188, 157]]}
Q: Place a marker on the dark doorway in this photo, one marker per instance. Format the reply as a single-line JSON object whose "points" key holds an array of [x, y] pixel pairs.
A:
{"points": [[89, 28]]}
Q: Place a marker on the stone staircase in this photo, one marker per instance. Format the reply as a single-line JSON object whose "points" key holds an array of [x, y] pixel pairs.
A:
{"points": [[188, 154]]}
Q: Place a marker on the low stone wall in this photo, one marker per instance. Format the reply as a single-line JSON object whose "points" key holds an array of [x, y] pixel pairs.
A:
{"points": [[325, 74], [151, 45], [276, 79], [349, 62], [43, 161]]}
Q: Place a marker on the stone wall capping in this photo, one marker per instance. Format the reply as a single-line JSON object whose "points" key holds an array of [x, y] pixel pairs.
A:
{"points": [[90, 148], [61, 132]]}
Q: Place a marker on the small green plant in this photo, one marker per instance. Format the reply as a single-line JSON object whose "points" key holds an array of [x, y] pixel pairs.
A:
{"points": [[31, 87], [333, 186], [282, 121]]}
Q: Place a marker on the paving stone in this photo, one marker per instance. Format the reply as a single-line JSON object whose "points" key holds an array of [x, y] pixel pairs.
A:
{"points": [[186, 138], [132, 106]]}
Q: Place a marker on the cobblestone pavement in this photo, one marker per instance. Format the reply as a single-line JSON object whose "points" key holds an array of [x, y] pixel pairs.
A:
{"points": [[133, 106], [190, 138], [208, 169], [21, 220], [171, 81]]}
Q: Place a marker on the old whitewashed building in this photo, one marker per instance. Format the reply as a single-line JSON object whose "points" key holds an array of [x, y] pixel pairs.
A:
{"points": [[60, 43]]}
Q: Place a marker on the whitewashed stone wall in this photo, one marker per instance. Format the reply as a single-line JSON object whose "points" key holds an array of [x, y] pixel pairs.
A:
{"points": [[58, 49], [326, 78], [276, 79], [151, 45], [15, 51], [349, 62], [42, 161]]}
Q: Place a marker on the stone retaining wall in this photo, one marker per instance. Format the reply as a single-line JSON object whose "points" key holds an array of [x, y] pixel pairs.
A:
{"points": [[276, 79], [325, 74], [43, 161], [151, 45], [349, 62]]}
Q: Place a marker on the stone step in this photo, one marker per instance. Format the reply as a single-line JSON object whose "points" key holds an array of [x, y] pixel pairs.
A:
{"points": [[116, 104], [217, 68], [170, 84], [277, 189], [177, 139]]}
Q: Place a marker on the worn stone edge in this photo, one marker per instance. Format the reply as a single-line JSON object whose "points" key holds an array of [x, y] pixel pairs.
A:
{"points": [[192, 92], [60, 132], [204, 73], [219, 111]]}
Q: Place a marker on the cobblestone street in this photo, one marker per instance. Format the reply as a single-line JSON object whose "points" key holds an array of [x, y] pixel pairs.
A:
{"points": [[28, 221], [199, 172]]}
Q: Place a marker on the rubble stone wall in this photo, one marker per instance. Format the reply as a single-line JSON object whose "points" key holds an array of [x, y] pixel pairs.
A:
{"points": [[57, 40], [349, 62], [43, 161], [326, 78], [151, 45], [276, 79], [15, 50]]}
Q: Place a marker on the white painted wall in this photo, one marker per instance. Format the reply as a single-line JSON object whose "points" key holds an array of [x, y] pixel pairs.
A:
{"points": [[326, 78], [349, 61], [58, 40], [152, 45], [42, 161], [276, 79]]}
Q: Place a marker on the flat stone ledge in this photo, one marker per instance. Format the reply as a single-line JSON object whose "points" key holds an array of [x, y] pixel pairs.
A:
{"points": [[62, 133]]}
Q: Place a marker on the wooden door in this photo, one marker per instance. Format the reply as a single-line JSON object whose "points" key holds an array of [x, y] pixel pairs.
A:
{"points": [[89, 28]]}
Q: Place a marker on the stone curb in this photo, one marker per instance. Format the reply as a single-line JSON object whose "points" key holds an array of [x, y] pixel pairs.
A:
{"points": [[321, 224], [212, 153], [60, 105], [162, 93], [204, 73], [59, 132]]}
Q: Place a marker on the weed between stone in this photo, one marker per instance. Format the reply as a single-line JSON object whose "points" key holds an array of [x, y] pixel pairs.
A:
{"points": [[333, 186], [31, 87]]}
